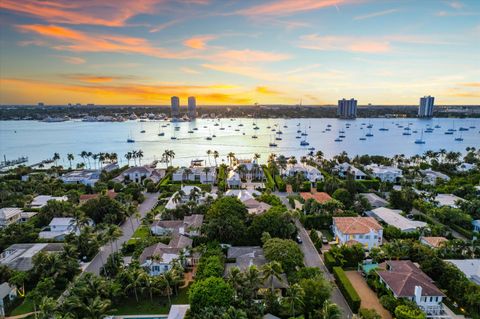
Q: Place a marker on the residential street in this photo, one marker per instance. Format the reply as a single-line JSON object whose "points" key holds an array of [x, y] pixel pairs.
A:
{"points": [[101, 258], [312, 259]]}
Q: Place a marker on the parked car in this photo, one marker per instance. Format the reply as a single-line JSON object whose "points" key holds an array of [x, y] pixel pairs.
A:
{"points": [[324, 240], [298, 239]]}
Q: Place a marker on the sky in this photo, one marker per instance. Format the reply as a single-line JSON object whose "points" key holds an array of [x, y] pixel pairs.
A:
{"points": [[242, 52]]}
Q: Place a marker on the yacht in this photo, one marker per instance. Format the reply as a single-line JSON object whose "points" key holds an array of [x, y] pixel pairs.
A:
{"points": [[449, 133], [208, 138], [278, 138], [362, 138], [369, 134], [311, 148], [254, 136], [190, 132], [130, 140], [298, 136], [272, 144], [463, 129], [420, 140], [304, 143], [338, 139], [459, 139]]}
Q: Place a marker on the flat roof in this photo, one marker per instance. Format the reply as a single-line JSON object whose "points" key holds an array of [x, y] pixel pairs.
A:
{"points": [[392, 217]]}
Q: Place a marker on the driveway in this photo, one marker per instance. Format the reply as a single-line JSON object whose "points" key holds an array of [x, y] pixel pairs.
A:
{"points": [[312, 259], [368, 296], [101, 258]]}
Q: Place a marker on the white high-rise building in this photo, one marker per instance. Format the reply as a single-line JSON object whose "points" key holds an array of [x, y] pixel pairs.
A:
{"points": [[347, 109], [175, 106], [192, 107], [425, 109]]}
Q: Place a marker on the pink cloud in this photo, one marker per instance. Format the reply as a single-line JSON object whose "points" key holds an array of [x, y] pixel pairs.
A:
{"points": [[288, 7], [198, 42], [248, 55], [344, 43]]}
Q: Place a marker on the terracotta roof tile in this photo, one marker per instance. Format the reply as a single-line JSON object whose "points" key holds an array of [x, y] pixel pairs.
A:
{"points": [[320, 197], [356, 225]]}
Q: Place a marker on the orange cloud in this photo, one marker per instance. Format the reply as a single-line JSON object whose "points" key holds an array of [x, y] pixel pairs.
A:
{"points": [[71, 59], [124, 93], [198, 42], [288, 7], [77, 41], [471, 84], [92, 78], [266, 91], [189, 70], [107, 13], [250, 56], [343, 43]]}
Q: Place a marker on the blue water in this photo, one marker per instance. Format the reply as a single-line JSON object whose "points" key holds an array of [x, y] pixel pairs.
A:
{"points": [[39, 140]]}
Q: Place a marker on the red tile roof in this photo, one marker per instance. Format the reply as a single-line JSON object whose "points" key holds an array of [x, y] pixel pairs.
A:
{"points": [[320, 197], [356, 225]]}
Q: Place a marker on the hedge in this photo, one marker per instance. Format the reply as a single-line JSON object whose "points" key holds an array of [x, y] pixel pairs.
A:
{"points": [[306, 186], [461, 230], [282, 187], [330, 262], [345, 286], [320, 186], [269, 184]]}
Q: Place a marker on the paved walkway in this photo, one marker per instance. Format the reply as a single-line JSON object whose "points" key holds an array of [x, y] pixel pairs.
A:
{"points": [[368, 296], [312, 259], [101, 258]]}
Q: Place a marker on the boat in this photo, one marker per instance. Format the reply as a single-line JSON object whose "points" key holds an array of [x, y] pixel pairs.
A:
{"points": [[299, 131], [195, 129], [369, 134], [214, 135], [298, 137], [437, 126], [448, 133], [459, 139], [254, 136], [272, 144], [278, 138], [256, 128], [406, 133], [362, 138], [338, 140], [420, 140], [304, 143], [311, 148], [142, 131], [328, 129], [190, 132], [208, 138], [463, 129], [130, 140]]}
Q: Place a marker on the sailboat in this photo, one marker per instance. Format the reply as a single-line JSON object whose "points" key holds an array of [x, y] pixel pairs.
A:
{"points": [[160, 133], [272, 144], [369, 134], [383, 128], [143, 130], [130, 138], [460, 138], [420, 140]]}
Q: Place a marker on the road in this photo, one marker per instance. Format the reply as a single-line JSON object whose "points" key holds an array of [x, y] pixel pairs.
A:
{"points": [[101, 258], [312, 259]]}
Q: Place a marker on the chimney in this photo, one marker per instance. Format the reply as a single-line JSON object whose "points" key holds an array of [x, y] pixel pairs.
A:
{"points": [[418, 294]]}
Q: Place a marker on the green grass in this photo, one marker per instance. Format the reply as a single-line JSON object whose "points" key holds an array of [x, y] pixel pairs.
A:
{"points": [[145, 306], [25, 307], [141, 233]]}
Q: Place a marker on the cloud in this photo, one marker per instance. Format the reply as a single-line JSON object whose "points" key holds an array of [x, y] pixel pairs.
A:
{"points": [[471, 84], [106, 13], [248, 55], [456, 5], [93, 78], [71, 59], [198, 42], [128, 92], [244, 70], [288, 7], [266, 90], [375, 14], [165, 25], [344, 43], [189, 70], [77, 41]]}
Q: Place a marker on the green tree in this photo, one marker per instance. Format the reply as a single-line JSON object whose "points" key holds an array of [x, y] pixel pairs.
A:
{"points": [[225, 220], [285, 251], [409, 312], [210, 292]]}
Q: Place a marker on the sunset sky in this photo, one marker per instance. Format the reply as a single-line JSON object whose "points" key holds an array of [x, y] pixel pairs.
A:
{"points": [[239, 52]]}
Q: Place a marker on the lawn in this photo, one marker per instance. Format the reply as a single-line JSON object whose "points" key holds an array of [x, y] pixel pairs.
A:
{"points": [[25, 307], [141, 233], [327, 233], [146, 307]]}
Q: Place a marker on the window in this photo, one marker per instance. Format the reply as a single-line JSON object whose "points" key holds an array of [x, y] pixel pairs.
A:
{"points": [[367, 236], [360, 236]]}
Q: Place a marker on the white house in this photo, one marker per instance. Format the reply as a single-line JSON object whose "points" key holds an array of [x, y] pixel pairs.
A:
{"points": [[476, 225], [393, 217], [12, 215], [431, 177], [345, 168], [139, 173], [470, 267], [405, 280], [249, 169], [85, 177], [7, 295], [254, 206], [363, 230], [465, 167], [385, 173], [187, 192], [189, 226], [311, 173], [58, 228], [160, 258], [234, 180], [20, 256], [448, 200], [41, 200], [202, 174]]}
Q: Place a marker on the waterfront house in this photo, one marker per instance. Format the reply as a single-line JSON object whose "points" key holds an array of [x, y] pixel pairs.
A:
{"points": [[405, 280], [433, 242], [470, 267], [476, 225], [42, 200], [394, 218], [311, 173], [385, 173], [58, 228], [249, 169], [12, 215], [362, 230], [201, 174], [20, 256], [465, 167], [7, 296], [344, 169], [234, 180], [138, 174], [189, 226], [186, 194], [85, 177]]}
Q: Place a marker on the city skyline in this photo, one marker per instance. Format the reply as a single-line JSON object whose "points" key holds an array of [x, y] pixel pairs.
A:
{"points": [[228, 52]]}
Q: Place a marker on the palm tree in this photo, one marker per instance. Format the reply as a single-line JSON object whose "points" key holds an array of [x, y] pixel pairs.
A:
{"points": [[89, 154], [83, 155], [294, 297], [70, 158], [215, 156], [137, 279], [206, 170], [128, 156], [171, 156], [186, 172], [140, 156], [168, 280], [270, 271], [112, 234], [209, 152], [55, 158], [329, 310], [231, 158], [177, 198], [194, 194], [134, 156], [95, 157], [96, 308]]}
